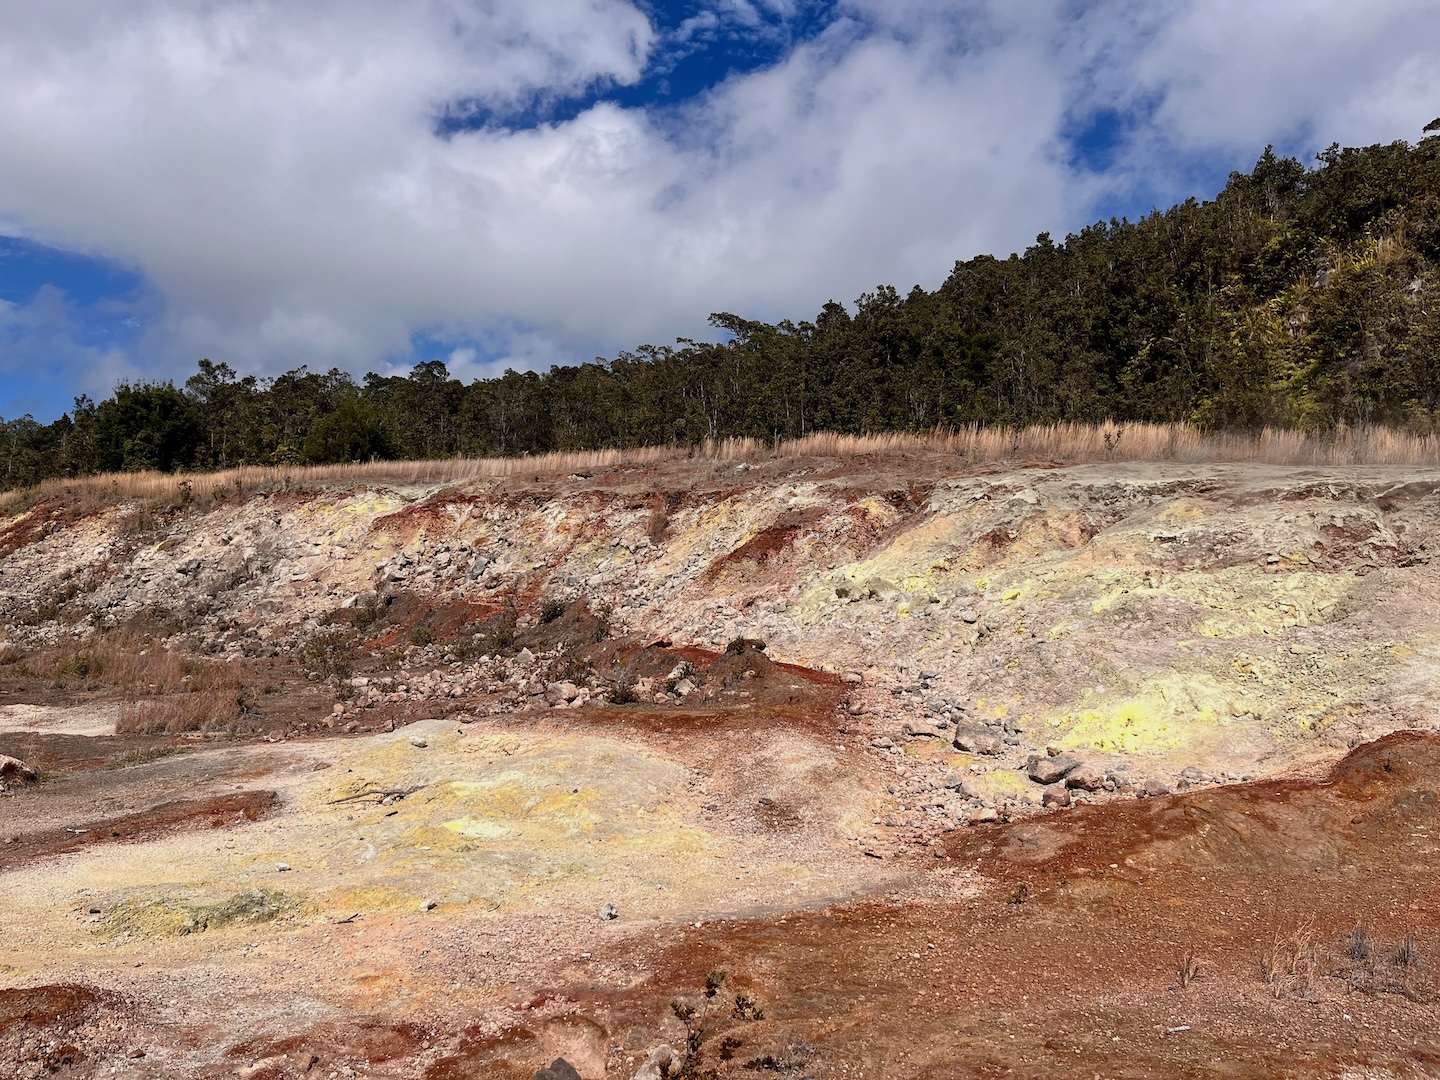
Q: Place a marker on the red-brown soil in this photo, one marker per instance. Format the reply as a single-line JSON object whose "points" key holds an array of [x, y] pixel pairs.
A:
{"points": [[1067, 963], [217, 812]]}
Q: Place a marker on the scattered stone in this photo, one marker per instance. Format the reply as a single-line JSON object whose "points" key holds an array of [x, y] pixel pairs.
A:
{"points": [[984, 816], [1056, 795], [970, 616], [1050, 770], [917, 729], [429, 904], [609, 913], [524, 656], [559, 1069], [417, 742], [976, 740], [1155, 787], [281, 867], [1085, 777]]}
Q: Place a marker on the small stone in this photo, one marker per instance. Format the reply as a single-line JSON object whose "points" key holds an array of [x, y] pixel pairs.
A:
{"points": [[1056, 795], [661, 1063], [609, 913], [984, 816], [281, 867], [1050, 770], [1155, 787], [417, 742], [1085, 778], [429, 904], [970, 616], [524, 656], [927, 675]]}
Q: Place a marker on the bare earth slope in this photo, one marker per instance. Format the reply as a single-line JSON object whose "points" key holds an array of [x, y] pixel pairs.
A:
{"points": [[1029, 770]]}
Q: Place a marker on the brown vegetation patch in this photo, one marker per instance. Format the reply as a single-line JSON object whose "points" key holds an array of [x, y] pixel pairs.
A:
{"points": [[182, 815]]}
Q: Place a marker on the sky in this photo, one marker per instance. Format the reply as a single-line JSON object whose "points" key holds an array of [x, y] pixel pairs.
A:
{"points": [[365, 184]]}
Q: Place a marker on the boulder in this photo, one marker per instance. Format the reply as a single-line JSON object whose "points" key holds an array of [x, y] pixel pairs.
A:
{"points": [[14, 773], [1047, 770], [976, 740], [1085, 777], [559, 1069], [1056, 795]]}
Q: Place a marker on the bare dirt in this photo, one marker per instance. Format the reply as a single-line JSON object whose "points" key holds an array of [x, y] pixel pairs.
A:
{"points": [[340, 782]]}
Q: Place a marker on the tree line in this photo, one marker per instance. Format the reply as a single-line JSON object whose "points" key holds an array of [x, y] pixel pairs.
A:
{"points": [[1299, 296]]}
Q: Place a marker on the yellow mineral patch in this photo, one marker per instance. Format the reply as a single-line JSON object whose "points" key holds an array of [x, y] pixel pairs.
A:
{"points": [[1002, 783], [1169, 713]]}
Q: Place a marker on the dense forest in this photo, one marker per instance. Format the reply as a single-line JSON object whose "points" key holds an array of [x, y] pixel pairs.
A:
{"points": [[1305, 297]]}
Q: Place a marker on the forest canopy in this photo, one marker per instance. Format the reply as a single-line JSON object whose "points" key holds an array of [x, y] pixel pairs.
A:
{"points": [[1300, 296]]}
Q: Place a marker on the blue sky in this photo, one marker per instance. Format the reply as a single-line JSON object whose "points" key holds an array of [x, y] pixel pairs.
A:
{"points": [[361, 184]]}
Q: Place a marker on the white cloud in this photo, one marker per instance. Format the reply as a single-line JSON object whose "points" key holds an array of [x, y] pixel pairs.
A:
{"points": [[275, 171]]}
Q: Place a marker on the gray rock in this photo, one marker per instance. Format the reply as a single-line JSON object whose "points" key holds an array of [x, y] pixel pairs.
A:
{"points": [[559, 1069], [1155, 787], [1085, 777], [1050, 770], [976, 740], [926, 676], [963, 784], [609, 913], [917, 729], [970, 616], [1056, 795], [661, 1063], [879, 588]]}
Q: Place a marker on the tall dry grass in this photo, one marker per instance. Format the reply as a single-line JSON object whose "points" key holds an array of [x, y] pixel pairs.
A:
{"points": [[1065, 443], [160, 690]]}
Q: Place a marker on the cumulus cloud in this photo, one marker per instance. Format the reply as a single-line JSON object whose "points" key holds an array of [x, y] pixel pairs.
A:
{"points": [[282, 176]]}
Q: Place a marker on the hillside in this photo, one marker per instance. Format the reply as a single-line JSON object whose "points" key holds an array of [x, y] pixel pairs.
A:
{"points": [[950, 765]]}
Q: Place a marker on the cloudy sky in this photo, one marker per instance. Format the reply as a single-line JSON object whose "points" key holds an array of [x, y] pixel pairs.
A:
{"points": [[362, 184]]}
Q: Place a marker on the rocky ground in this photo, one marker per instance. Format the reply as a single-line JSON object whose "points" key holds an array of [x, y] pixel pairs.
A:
{"points": [[1116, 770]]}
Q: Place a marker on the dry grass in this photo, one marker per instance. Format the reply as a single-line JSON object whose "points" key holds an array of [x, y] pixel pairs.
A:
{"points": [[161, 690], [1065, 443]]}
